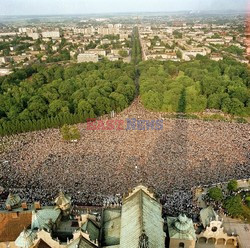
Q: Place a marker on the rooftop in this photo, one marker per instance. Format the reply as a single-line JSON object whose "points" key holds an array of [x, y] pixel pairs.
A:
{"points": [[141, 217], [181, 228], [13, 223]]}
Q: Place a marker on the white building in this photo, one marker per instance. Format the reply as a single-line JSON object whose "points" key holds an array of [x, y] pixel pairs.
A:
{"points": [[34, 36], [87, 57], [216, 41], [186, 54], [100, 52], [112, 57], [216, 57], [105, 42], [8, 34], [51, 34], [162, 57], [2, 60], [55, 48], [123, 36], [4, 72]]}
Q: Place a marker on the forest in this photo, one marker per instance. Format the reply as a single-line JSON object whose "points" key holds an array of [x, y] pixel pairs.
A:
{"points": [[40, 97], [194, 86]]}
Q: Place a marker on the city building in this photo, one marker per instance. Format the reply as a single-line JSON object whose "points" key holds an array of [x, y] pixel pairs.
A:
{"points": [[87, 57], [51, 34], [141, 220], [188, 54], [214, 234]]}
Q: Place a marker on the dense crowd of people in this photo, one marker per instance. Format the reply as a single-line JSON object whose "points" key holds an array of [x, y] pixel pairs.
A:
{"points": [[102, 164]]}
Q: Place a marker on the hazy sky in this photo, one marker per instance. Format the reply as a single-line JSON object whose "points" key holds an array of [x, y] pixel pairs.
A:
{"points": [[35, 7]]}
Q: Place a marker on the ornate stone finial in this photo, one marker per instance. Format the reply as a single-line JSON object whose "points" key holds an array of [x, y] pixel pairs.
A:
{"points": [[63, 202], [143, 240], [13, 201]]}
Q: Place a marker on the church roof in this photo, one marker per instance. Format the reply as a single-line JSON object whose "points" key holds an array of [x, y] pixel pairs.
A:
{"points": [[111, 226], [92, 228], [141, 217], [42, 244], [207, 215], [44, 218], [13, 200], [81, 242], [25, 239], [181, 228], [183, 223]]}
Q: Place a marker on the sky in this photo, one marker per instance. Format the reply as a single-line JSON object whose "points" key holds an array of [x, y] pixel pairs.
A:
{"points": [[54, 7]]}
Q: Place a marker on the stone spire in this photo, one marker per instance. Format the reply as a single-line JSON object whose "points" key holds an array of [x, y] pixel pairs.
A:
{"points": [[13, 201], [63, 202]]}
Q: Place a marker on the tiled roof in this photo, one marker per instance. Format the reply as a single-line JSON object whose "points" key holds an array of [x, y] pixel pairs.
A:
{"points": [[41, 218], [111, 227], [141, 214], [13, 223], [181, 228], [42, 244], [207, 215], [81, 242], [92, 229], [25, 239]]}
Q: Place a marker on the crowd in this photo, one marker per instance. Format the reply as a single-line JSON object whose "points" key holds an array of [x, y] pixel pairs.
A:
{"points": [[102, 164]]}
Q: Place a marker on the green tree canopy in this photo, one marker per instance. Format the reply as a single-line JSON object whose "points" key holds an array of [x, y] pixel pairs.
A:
{"points": [[234, 206], [215, 194], [232, 185]]}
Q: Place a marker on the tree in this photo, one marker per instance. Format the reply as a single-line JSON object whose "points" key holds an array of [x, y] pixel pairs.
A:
{"points": [[123, 53], [58, 107], [226, 104], [232, 185], [235, 50], [66, 89], [37, 107], [182, 102], [25, 115], [49, 92], [236, 107], [215, 194], [239, 92], [172, 69], [177, 34], [248, 201], [75, 133], [70, 133], [119, 101], [179, 54], [103, 105], [209, 85], [234, 206], [152, 100], [214, 101]]}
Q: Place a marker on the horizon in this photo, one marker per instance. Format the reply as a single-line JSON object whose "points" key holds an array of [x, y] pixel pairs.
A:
{"points": [[228, 11], [98, 7]]}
